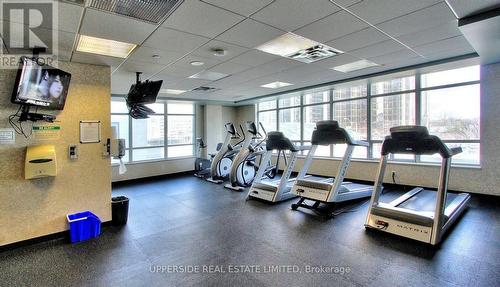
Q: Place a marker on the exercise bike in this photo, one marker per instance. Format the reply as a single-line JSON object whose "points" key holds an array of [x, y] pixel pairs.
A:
{"points": [[221, 164], [244, 167], [201, 164]]}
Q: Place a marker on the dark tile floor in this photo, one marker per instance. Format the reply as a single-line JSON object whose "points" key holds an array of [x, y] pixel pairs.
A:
{"points": [[184, 221]]}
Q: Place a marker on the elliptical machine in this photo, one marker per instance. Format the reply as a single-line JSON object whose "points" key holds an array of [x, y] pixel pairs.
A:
{"points": [[201, 164], [245, 165], [221, 164]]}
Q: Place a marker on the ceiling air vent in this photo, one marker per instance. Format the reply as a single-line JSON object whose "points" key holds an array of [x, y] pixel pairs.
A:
{"points": [[152, 11], [204, 89], [314, 53]]}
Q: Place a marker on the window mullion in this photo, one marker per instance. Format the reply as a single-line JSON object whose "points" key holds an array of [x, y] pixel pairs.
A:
{"points": [[165, 131], [418, 104], [369, 119]]}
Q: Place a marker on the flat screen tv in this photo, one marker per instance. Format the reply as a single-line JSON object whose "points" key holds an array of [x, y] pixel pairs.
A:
{"points": [[144, 92], [40, 85]]}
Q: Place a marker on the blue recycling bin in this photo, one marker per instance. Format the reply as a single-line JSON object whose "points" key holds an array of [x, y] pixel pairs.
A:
{"points": [[83, 226]]}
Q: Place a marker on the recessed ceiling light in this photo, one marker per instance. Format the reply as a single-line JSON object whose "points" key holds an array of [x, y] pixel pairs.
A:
{"points": [[104, 47], [354, 66], [197, 63], [298, 48], [208, 75], [172, 91], [275, 85]]}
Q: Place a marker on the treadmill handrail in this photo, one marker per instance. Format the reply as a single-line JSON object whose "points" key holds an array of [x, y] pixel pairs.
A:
{"points": [[360, 143]]}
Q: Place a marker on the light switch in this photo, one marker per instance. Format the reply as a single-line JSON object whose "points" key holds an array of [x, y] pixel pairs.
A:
{"points": [[73, 152]]}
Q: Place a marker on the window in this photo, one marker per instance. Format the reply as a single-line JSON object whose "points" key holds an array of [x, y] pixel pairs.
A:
{"points": [[289, 123], [169, 133], [313, 114], [391, 111], [446, 101], [352, 116]]}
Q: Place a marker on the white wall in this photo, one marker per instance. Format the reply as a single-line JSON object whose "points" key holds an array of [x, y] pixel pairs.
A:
{"points": [[213, 126], [154, 168], [484, 179]]}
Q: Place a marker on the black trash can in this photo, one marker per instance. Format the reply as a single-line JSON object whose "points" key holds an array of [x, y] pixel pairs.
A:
{"points": [[119, 210]]}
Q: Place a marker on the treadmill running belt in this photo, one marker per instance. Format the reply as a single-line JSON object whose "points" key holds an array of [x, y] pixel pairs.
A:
{"points": [[425, 201]]}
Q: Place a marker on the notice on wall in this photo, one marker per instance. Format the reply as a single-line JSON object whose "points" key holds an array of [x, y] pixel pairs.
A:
{"points": [[90, 132], [7, 136], [47, 132]]}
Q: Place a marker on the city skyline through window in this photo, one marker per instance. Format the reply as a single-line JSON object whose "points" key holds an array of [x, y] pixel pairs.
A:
{"points": [[446, 101]]}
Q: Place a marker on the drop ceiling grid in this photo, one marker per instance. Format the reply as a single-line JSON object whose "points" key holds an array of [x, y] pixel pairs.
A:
{"points": [[242, 64]]}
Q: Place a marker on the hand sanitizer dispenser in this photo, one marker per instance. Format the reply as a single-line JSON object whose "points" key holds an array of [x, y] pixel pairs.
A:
{"points": [[40, 161]]}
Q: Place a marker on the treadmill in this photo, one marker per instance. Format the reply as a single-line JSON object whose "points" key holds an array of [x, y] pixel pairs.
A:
{"points": [[329, 190], [421, 214], [270, 189]]}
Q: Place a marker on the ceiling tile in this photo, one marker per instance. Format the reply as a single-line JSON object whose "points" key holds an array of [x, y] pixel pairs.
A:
{"points": [[121, 82], [465, 8], [147, 69], [145, 54], [110, 26], [231, 50], [250, 34], [290, 15], [346, 3], [398, 56], [69, 17], [379, 11], [229, 68], [356, 40], [208, 62], [86, 58], [187, 84], [455, 43], [337, 61], [179, 71], [444, 31], [448, 53], [418, 21], [378, 49], [244, 8], [254, 58], [332, 27], [199, 18], [175, 41]]}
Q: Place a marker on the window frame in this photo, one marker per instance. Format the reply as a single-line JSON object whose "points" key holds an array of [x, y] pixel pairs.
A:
{"points": [[130, 149], [417, 94]]}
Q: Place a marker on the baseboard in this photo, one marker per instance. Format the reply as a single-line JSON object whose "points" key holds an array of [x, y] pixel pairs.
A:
{"points": [[63, 236], [153, 177]]}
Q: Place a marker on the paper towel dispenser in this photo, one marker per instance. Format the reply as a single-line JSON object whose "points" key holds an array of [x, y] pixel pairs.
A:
{"points": [[40, 161]]}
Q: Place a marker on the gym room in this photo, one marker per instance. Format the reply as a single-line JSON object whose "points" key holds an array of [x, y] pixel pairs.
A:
{"points": [[249, 143]]}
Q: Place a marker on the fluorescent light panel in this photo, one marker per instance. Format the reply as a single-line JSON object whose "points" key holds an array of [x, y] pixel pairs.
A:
{"points": [[276, 85], [208, 75], [104, 47], [172, 91], [354, 66]]}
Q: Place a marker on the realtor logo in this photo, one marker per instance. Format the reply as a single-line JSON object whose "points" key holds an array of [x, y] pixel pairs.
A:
{"points": [[26, 25]]}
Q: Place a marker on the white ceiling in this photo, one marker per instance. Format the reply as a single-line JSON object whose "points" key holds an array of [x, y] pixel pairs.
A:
{"points": [[392, 33]]}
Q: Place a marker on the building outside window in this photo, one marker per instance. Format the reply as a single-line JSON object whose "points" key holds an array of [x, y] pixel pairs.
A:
{"points": [[169, 133], [446, 101]]}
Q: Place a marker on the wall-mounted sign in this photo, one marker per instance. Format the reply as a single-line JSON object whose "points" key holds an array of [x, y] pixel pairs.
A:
{"points": [[90, 132], [47, 132], [7, 136]]}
